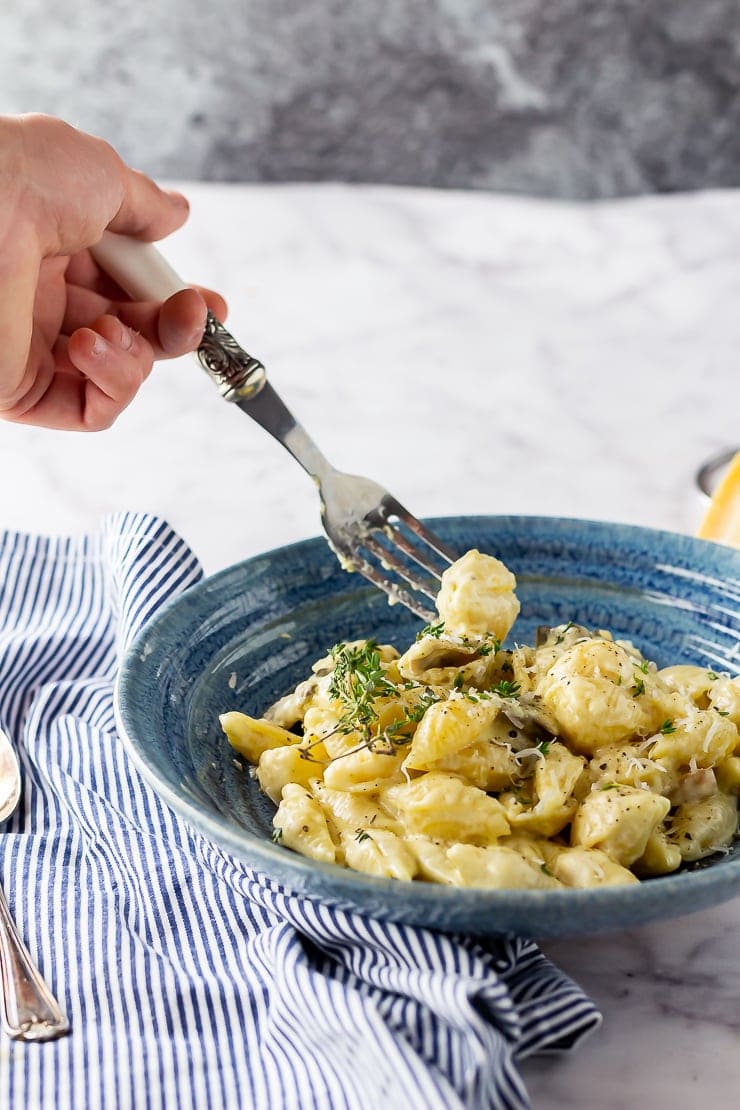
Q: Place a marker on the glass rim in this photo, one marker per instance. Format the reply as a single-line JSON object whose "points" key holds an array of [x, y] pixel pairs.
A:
{"points": [[706, 476]]}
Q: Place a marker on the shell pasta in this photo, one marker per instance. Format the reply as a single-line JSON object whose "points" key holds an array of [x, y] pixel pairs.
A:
{"points": [[571, 762]]}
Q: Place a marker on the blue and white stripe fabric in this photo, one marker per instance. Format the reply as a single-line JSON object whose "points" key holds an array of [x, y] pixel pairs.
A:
{"points": [[189, 980]]}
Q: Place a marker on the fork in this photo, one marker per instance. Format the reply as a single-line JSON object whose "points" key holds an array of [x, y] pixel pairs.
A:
{"points": [[367, 527], [28, 1009]]}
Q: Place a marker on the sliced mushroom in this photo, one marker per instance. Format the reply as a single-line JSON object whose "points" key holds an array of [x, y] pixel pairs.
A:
{"points": [[441, 661], [528, 714], [431, 653], [291, 709], [695, 786]]}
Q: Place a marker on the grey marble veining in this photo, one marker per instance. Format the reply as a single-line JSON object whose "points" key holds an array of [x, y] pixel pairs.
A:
{"points": [[569, 98], [670, 995]]}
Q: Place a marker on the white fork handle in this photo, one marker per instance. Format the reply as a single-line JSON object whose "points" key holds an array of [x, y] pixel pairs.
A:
{"points": [[145, 275], [138, 267]]}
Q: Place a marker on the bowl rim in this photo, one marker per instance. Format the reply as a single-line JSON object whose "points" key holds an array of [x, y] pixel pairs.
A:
{"points": [[270, 858], [724, 552]]}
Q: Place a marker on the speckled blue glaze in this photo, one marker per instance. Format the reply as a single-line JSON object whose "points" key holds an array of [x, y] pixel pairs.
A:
{"points": [[245, 636]]}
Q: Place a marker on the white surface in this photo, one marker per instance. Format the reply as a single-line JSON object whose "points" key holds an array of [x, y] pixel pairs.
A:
{"points": [[475, 354]]}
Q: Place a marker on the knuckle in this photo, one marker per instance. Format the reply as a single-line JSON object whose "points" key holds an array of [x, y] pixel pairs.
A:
{"points": [[106, 150]]}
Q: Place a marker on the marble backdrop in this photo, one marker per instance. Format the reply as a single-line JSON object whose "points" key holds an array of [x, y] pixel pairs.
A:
{"points": [[567, 98]]}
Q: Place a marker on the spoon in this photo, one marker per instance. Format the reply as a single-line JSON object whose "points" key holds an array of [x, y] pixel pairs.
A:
{"points": [[28, 1009]]}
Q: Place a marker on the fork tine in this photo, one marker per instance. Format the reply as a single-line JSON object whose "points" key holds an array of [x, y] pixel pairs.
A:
{"points": [[416, 553], [395, 508], [394, 592], [407, 573]]}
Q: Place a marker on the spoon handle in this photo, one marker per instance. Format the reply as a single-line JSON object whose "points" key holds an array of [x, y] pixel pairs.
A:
{"points": [[28, 1009]]}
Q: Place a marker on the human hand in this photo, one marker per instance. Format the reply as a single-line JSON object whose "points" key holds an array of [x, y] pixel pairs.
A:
{"points": [[74, 349]]}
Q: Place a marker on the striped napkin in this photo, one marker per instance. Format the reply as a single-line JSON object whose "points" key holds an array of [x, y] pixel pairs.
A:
{"points": [[191, 981]]}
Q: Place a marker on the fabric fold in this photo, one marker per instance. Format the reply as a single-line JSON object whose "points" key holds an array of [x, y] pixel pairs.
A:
{"points": [[189, 979]]}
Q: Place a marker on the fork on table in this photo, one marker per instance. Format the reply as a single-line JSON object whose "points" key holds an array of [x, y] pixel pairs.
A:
{"points": [[369, 530]]}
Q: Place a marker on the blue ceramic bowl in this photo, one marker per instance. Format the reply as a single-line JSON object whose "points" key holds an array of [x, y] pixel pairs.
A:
{"points": [[247, 635]]}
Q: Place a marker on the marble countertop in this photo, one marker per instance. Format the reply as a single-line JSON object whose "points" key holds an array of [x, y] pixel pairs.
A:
{"points": [[474, 353]]}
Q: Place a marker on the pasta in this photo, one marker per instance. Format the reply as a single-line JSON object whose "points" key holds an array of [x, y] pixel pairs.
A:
{"points": [[573, 762]]}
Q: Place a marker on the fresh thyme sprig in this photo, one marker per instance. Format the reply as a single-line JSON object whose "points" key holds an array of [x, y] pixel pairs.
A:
{"points": [[357, 680], [398, 732]]}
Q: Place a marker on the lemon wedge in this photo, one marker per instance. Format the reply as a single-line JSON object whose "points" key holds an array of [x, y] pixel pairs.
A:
{"points": [[722, 521]]}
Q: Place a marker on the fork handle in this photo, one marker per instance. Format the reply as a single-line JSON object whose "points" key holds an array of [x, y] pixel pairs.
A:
{"points": [[28, 1009], [145, 275]]}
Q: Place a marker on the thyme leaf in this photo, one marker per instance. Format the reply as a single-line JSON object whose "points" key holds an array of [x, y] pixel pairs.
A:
{"points": [[434, 630], [506, 689], [561, 636], [357, 680], [398, 732]]}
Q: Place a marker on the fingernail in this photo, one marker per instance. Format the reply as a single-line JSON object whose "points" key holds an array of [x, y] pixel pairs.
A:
{"points": [[198, 329], [125, 339], [101, 347]]}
